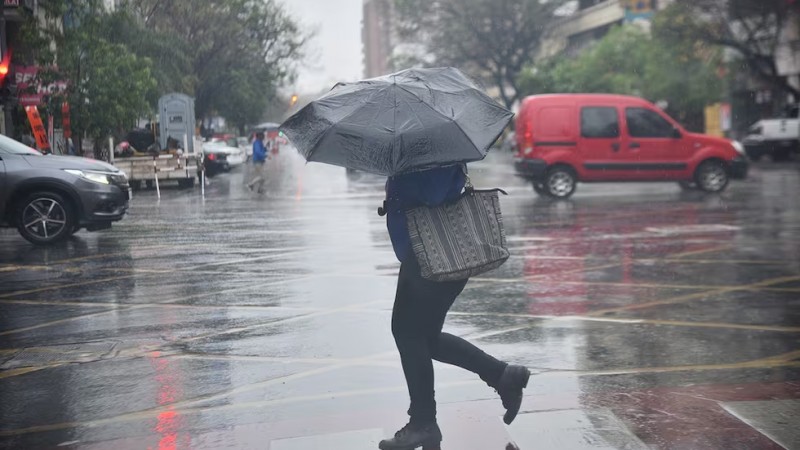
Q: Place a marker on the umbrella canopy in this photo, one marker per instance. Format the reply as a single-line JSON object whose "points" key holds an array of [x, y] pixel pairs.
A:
{"points": [[411, 120]]}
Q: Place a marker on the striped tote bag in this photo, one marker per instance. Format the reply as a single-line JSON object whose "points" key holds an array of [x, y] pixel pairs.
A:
{"points": [[458, 240]]}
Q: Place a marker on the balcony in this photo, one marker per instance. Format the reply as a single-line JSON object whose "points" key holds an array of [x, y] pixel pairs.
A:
{"points": [[597, 16]]}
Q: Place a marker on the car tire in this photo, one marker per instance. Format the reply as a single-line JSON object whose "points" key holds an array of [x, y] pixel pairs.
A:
{"points": [[539, 189], [148, 184], [560, 182], [711, 176], [136, 185], [755, 156], [186, 183], [687, 186], [45, 217], [781, 154]]}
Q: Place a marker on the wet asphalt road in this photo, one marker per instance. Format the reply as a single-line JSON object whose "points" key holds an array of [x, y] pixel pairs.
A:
{"points": [[652, 318]]}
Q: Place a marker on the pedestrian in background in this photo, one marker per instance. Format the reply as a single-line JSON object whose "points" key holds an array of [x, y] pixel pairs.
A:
{"points": [[419, 312], [259, 159]]}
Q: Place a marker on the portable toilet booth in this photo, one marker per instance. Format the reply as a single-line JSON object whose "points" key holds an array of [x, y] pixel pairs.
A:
{"points": [[176, 119]]}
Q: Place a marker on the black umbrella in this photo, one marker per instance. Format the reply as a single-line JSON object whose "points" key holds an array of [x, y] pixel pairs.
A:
{"points": [[410, 120]]}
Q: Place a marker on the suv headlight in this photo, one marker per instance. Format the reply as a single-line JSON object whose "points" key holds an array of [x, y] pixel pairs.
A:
{"points": [[97, 177]]}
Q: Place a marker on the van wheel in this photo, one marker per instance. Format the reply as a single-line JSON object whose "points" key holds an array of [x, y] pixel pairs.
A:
{"points": [[560, 182], [539, 189], [44, 218], [711, 176]]}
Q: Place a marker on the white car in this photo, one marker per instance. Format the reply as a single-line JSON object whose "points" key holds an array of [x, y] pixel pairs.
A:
{"points": [[223, 155], [779, 138]]}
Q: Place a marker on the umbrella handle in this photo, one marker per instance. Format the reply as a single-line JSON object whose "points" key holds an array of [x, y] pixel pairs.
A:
{"points": [[382, 209]]}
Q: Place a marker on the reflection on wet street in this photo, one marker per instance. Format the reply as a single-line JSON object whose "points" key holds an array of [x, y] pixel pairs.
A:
{"points": [[652, 318]]}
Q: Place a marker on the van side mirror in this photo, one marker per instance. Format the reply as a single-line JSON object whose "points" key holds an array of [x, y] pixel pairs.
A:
{"points": [[676, 133]]}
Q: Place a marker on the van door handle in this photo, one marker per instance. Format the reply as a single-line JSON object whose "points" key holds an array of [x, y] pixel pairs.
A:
{"points": [[635, 145], [615, 146]]}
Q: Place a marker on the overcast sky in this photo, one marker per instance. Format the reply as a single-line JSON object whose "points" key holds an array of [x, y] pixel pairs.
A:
{"points": [[335, 53]]}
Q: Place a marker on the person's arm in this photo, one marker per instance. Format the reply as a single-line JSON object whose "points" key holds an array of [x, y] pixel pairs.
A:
{"points": [[439, 185]]}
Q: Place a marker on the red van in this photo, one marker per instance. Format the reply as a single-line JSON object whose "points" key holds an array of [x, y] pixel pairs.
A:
{"points": [[564, 139]]}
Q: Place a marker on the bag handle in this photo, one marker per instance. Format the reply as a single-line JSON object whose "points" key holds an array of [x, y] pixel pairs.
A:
{"points": [[470, 189]]}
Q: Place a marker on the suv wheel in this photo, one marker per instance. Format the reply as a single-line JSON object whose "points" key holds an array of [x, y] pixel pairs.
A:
{"points": [[560, 182], [711, 176], [44, 218]]}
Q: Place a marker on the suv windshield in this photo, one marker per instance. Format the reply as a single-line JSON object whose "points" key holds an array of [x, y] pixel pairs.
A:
{"points": [[8, 145]]}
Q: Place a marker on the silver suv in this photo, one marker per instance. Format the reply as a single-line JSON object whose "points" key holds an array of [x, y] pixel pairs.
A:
{"points": [[48, 198]]}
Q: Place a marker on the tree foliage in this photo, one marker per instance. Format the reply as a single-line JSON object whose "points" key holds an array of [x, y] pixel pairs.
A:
{"points": [[631, 61], [491, 39], [108, 85], [752, 28], [235, 52]]}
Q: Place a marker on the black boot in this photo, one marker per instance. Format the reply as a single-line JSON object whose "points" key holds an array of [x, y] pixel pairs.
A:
{"points": [[412, 436], [510, 386]]}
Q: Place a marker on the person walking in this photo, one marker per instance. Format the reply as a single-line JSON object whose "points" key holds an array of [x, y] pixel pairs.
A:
{"points": [[259, 160], [419, 312]]}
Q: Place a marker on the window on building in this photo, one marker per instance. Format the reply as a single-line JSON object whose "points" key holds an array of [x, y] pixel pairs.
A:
{"points": [[643, 123], [599, 122]]}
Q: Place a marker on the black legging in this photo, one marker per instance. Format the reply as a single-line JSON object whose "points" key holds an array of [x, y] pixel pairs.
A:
{"points": [[420, 307]]}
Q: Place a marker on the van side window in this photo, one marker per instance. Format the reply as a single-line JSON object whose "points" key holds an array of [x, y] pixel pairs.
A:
{"points": [[643, 123], [599, 122]]}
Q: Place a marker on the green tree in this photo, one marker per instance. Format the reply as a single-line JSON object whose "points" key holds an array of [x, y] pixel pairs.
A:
{"points": [[108, 85], [491, 39], [751, 28], [630, 61], [238, 51]]}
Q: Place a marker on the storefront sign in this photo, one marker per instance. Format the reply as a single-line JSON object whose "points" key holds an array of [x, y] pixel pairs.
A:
{"points": [[25, 77]]}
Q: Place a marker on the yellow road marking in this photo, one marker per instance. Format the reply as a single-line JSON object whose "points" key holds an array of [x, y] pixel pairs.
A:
{"points": [[697, 295], [634, 321], [68, 319], [65, 286], [188, 408], [22, 371], [134, 306], [670, 259], [702, 252]]}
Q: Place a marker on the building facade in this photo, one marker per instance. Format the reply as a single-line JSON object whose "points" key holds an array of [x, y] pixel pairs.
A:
{"points": [[11, 17], [591, 20]]}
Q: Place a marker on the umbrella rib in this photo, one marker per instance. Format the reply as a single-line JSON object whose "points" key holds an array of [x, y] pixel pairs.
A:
{"points": [[325, 134], [451, 120]]}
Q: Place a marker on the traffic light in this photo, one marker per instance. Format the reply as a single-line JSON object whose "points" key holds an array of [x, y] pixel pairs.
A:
{"points": [[5, 84], [293, 100]]}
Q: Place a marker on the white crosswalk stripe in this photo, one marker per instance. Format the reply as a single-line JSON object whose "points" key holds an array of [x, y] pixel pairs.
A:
{"points": [[776, 419]]}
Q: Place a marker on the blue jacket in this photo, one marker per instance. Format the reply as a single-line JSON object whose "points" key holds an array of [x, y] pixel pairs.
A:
{"points": [[259, 151], [431, 187]]}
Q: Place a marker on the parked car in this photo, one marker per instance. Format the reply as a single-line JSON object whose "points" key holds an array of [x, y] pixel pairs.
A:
{"points": [[246, 146], [48, 198], [220, 157], [564, 139], [778, 138]]}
